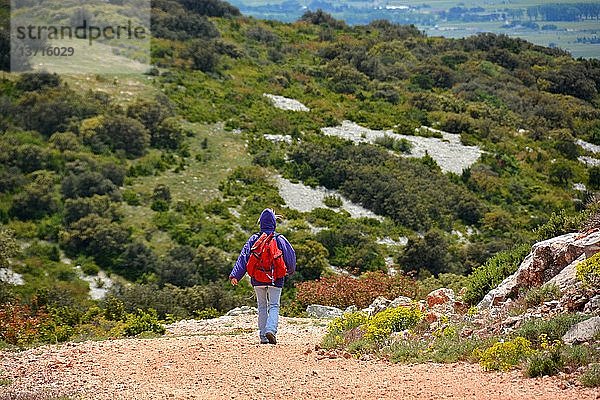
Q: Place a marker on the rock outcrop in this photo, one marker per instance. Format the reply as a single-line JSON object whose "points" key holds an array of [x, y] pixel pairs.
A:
{"points": [[583, 331], [546, 261], [319, 311]]}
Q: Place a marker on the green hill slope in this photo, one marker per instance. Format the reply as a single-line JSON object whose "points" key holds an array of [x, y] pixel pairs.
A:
{"points": [[159, 179]]}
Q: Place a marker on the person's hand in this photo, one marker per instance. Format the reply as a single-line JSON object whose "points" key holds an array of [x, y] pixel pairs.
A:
{"points": [[233, 281]]}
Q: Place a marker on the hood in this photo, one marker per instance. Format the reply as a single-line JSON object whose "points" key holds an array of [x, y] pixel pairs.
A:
{"points": [[267, 221]]}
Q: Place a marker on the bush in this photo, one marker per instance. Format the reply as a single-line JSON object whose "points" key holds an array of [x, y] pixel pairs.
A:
{"points": [[537, 296], [553, 329], [20, 324], [588, 271], [346, 322], [400, 145], [118, 133], [591, 377], [207, 313], [142, 321], [544, 363], [396, 319], [503, 356], [333, 201], [344, 291], [493, 272], [8, 246]]}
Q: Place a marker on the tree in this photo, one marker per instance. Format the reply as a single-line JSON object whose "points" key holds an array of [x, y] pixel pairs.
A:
{"points": [[429, 253], [97, 237], [560, 173], [151, 112], [37, 198], [312, 257], [594, 177], [122, 133], [203, 55], [135, 261], [168, 135]]}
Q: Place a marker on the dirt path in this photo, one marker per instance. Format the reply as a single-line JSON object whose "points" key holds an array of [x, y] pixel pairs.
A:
{"points": [[220, 359]]}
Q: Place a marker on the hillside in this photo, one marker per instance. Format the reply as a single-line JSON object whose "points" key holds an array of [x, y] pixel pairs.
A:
{"points": [[407, 162]]}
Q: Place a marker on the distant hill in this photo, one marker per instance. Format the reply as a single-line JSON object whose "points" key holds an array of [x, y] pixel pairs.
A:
{"points": [[570, 25]]}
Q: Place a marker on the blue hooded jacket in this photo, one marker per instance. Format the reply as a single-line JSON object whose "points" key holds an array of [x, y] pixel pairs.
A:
{"points": [[267, 225]]}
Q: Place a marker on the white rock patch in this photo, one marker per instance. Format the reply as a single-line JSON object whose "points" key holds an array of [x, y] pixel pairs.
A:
{"points": [[304, 198], [388, 241], [589, 161], [588, 146], [450, 154], [9, 276], [279, 138], [99, 284], [284, 103]]}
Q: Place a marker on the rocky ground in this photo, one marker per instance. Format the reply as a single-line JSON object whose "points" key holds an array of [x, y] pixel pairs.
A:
{"points": [[220, 359]]}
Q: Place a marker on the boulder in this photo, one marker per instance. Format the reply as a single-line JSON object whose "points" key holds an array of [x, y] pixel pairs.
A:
{"points": [[243, 310], [545, 261], [567, 278], [401, 301], [379, 304], [583, 331], [440, 296], [319, 311], [350, 309]]}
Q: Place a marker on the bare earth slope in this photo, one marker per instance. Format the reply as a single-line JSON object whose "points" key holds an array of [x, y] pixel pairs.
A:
{"points": [[219, 359]]}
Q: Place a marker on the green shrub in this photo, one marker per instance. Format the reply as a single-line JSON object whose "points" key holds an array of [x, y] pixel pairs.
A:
{"points": [[537, 296], [346, 322], [389, 142], [207, 313], [142, 321], [332, 201], [536, 330], [591, 377], [160, 206], [493, 272], [503, 356], [544, 363], [559, 224], [114, 309], [131, 197], [579, 355], [588, 271], [396, 319], [340, 325]]}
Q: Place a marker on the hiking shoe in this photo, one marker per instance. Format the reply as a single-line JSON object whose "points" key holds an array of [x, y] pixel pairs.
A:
{"points": [[271, 337]]}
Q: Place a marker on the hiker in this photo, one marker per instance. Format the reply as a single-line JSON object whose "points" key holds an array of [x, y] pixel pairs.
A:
{"points": [[267, 257]]}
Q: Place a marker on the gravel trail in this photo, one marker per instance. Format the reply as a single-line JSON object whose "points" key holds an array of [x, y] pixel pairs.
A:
{"points": [[220, 359]]}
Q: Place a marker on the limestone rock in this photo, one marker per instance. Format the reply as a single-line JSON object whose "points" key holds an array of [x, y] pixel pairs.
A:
{"points": [[592, 306], [545, 261], [583, 331], [243, 310], [440, 296], [401, 301], [567, 279], [319, 311], [350, 309], [379, 304]]}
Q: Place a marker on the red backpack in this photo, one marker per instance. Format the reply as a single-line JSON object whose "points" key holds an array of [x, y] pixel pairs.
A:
{"points": [[266, 263]]}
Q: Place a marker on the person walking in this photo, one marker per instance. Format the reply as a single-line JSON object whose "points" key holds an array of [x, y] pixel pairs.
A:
{"points": [[267, 257]]}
